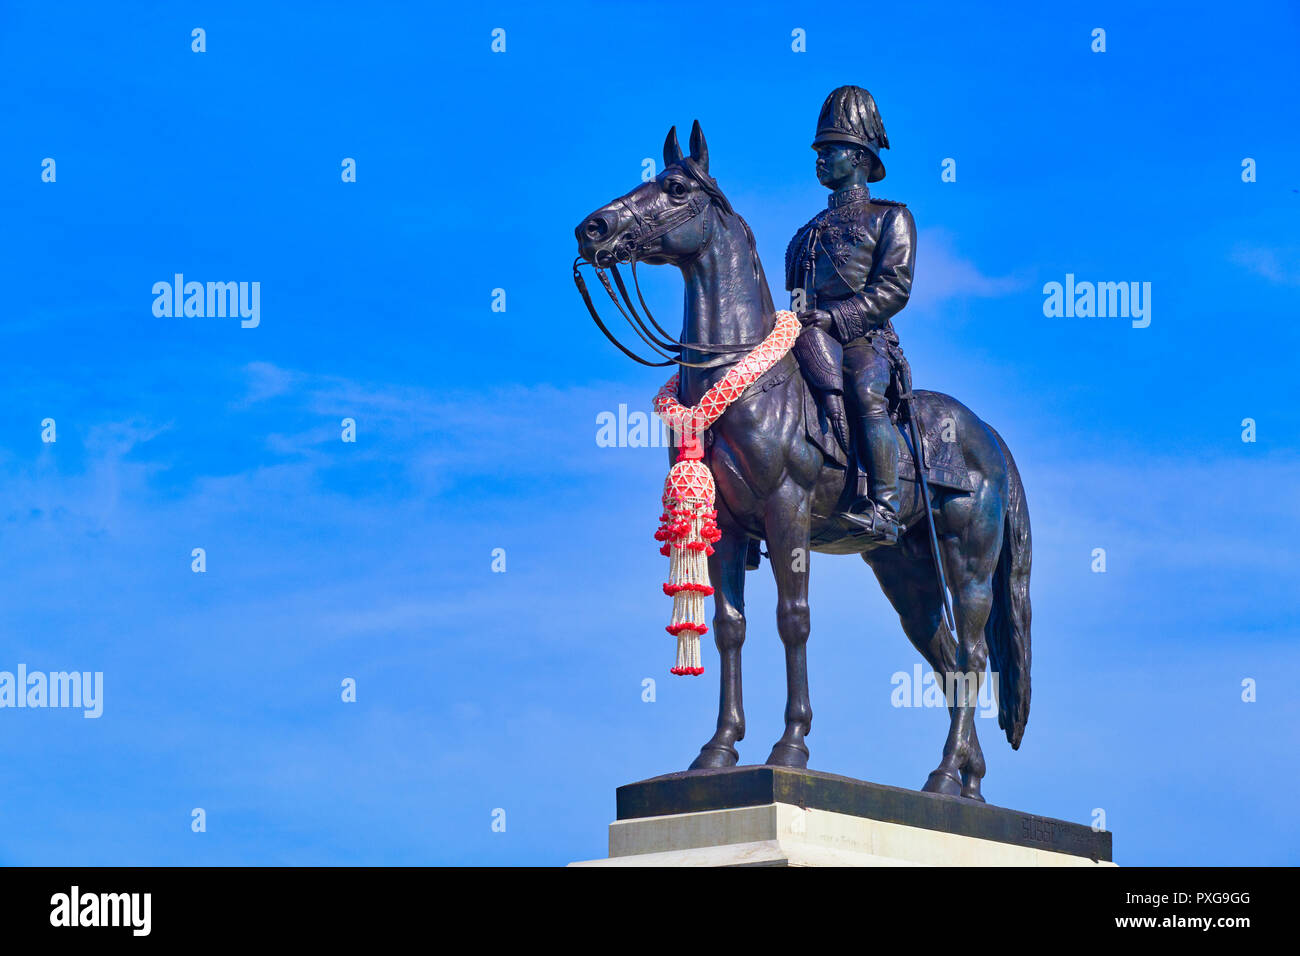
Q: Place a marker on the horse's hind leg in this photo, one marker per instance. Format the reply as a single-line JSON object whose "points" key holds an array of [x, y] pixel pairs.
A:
{"points": [[960, 770], [908, 580], [906, 575], [972, 558], [973, 772], [910, 584]]}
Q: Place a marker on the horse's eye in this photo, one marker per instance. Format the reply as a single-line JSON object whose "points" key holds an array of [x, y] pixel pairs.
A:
{"points": [[676, 188]]}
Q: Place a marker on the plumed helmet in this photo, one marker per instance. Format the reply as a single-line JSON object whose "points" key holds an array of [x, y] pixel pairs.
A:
{"points": [[849, 115]]}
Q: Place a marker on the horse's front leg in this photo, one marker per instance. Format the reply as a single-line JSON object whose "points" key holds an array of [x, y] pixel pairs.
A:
{"points": [[787, 528], [727, 574]]}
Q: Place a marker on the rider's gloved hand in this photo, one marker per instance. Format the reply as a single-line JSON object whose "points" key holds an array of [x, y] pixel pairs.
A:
{"points": [[816, 318]]}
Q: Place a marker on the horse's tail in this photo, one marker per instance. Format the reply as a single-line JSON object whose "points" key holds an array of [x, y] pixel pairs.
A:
{"points": [[1007, 630]]}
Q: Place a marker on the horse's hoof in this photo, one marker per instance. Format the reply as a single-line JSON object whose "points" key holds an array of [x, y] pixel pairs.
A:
{"points": [[944, 782], [788, 755], [970, 794], [715, 758]]}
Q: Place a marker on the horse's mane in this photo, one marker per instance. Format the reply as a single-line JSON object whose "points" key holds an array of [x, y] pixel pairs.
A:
{"points": [[710, 186]]}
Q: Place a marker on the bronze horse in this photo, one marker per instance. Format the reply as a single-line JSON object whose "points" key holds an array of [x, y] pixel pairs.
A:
{"points": [[774, 483]]}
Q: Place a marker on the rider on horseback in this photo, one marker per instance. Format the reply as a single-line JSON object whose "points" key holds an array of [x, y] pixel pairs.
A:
{"points": [[851, 269]]}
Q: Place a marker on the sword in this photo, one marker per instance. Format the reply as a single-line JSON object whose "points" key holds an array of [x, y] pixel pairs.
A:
{"points": [[810, 271], [918, 456]]}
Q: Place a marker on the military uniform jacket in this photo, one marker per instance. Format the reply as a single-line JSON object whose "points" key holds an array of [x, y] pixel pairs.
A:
{"points": [[863, 251]]}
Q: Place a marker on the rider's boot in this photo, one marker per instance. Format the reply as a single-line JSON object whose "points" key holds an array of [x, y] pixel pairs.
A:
{"points": [[878, 452]]}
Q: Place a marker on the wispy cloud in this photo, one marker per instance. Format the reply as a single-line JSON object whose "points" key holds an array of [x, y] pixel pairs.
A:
{"points": [[942, 273], [1280, 264]]}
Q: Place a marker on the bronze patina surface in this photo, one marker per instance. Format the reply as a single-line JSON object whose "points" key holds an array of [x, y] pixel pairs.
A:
{"points": [[796, 486]]}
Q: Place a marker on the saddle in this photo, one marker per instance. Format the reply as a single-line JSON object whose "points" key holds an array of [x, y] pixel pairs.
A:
{"points": [[820, 358]]}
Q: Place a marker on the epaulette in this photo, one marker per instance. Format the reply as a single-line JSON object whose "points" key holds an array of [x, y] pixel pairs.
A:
{"points": [[886, 202]]}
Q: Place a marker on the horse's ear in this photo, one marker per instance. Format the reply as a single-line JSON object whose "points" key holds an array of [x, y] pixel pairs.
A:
{"points": [[672, 148], [699, 148]]}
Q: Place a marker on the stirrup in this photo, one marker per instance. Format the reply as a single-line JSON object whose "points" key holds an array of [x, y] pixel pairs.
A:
{"points": [[879, 523]]}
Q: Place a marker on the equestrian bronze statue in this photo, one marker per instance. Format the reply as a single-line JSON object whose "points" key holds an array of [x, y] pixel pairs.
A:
{"points": [[919, 486]]}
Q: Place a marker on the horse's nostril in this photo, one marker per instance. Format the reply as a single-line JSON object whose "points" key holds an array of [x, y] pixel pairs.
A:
{"points": [[597, 228]]}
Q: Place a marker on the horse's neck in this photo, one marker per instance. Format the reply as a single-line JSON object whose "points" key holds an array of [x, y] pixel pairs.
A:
{"points": [[727, 300]]}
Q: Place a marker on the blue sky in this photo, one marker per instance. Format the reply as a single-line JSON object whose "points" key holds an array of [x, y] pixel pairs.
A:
{"points": [[477, 429]]}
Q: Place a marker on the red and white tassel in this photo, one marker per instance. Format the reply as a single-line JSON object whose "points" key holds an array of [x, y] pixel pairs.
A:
{"points": [[688, 528]]}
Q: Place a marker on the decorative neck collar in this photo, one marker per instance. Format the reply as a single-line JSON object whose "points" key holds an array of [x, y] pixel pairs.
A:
{"points": [[846, 196]]}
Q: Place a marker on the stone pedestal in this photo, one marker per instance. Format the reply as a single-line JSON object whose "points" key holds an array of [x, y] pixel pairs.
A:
{"points": [[772, 816]]}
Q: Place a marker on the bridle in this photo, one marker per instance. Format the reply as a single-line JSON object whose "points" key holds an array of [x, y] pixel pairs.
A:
{"points": [[629, 247]]}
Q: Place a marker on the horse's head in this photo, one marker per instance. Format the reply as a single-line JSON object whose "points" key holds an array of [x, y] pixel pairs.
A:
{"points": [[666, 220]]}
